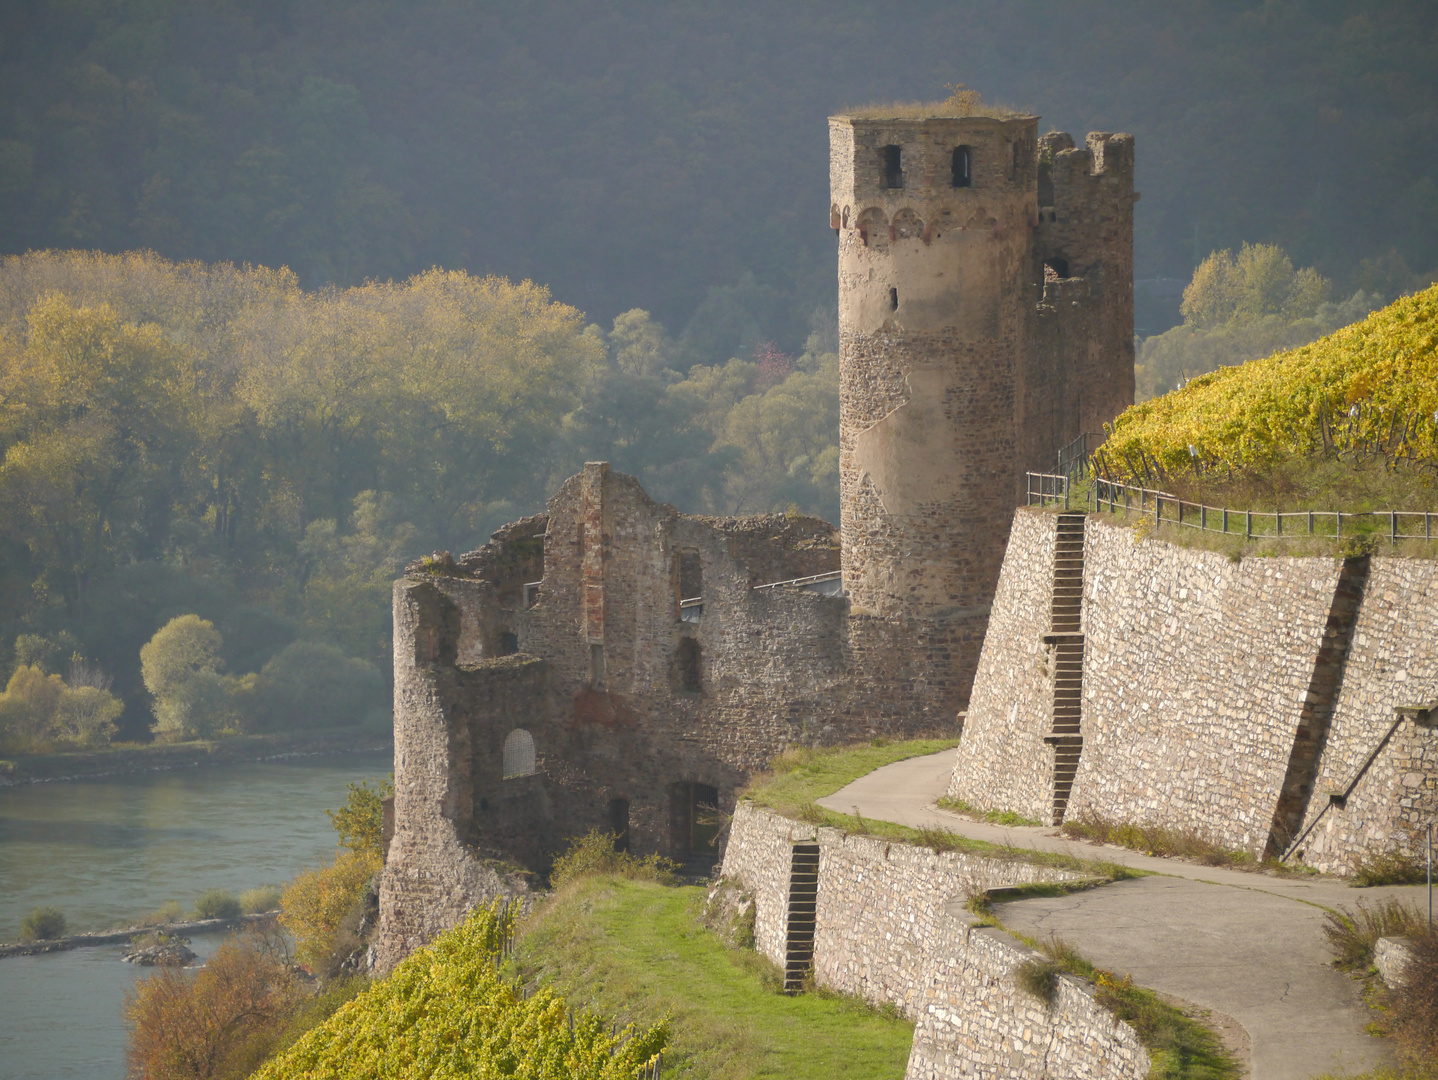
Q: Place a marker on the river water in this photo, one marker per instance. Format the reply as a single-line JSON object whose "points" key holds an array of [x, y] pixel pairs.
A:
{"points": [[106, 851]]}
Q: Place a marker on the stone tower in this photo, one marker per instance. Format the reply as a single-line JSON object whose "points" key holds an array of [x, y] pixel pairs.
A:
{"points": [[985, 320]]}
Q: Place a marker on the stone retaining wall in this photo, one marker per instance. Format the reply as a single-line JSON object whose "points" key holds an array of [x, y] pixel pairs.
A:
{"points": [[1214, 688], [891, 926], [1011, 706], [1393, 661]]}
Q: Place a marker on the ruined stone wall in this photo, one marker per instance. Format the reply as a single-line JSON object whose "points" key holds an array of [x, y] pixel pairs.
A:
{"points": [[1393, 661], [1002, 762], [433, 876], [891, 927], [1085, 324]]}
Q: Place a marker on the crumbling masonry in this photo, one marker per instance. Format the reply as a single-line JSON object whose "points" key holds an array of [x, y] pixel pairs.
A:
{"points": [[613, 663]]}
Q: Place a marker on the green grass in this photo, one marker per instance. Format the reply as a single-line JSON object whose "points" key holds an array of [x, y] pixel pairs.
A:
{"points": [[801, 775], [1164, 842], [993, 817], [638, 950]]}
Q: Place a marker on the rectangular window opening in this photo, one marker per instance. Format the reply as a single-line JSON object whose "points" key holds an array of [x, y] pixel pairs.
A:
{"points": [[893, 161]]}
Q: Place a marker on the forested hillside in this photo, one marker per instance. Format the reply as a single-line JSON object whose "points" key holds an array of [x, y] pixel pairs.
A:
{"points": [[673, 157], [205, 441]]}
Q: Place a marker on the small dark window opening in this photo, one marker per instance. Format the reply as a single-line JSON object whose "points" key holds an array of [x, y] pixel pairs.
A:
{"points": [[508, 643], [691, 576], [1059, 267], [687, 661], [619, 823], [893, 299], [893, 158], [963, 167], [596, 666]]}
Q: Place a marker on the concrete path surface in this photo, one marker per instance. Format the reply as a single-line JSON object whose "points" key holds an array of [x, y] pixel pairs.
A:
{"points": [[1248, 945]]}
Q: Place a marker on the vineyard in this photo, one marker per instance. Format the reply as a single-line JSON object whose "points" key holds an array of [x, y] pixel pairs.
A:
{"points": [[446, 1012], [1368, 392]]}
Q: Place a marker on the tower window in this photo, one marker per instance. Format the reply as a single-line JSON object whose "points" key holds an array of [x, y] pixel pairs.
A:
{"points": [[893, 160], [963, 167], [893, 299], [519, 754]]}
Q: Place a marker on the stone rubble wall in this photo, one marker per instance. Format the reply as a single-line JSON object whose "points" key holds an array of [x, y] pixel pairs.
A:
{"points": [[1392, 661], [1002, 762], [1196, 669], [1196, 673], [891, 927]]}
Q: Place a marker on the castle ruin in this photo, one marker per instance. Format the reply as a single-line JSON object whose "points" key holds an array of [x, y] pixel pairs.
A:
{"points": [[614, 663]]}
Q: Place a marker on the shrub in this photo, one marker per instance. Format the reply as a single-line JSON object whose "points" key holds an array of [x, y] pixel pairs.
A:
{"points": [[315, 904], [168, 912], [194, 1025], [1038, 978], [43, 924], [217, 904], [1389, 868], [594, 853], [1353, 934], [260, 899], [360, 821], [1413, 1006]]}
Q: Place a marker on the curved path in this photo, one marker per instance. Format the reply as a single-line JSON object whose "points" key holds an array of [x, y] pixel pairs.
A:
{"points": [[1247, 945]]}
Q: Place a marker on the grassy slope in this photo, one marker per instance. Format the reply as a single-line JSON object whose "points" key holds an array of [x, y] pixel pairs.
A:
{"points": [[636, 950]]}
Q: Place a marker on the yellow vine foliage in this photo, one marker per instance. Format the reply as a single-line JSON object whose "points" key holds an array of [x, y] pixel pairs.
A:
{"points": [[1372, 385], [446, 1013]]}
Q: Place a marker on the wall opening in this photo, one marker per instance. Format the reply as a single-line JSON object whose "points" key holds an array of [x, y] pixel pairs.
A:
{"points": [[596, 666], [691, 576], [694, 820], [893, 299], [619, 823], [963, 167], [508, 643], [1055, 268], [519, 754], [892, 158], [688, 665]]}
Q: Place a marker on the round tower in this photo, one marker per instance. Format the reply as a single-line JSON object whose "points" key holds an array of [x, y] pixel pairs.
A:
{"points": [[935, 219]]}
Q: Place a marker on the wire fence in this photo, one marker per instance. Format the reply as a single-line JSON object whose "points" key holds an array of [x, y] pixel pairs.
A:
{"points": [[1046, 489]]}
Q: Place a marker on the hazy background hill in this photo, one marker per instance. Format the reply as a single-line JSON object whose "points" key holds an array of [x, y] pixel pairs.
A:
{"points": [[672, 156]]}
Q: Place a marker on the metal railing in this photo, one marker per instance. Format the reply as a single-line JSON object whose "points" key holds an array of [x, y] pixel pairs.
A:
{"points": [[1074, 458], [1046, 488], [1165, 508]]}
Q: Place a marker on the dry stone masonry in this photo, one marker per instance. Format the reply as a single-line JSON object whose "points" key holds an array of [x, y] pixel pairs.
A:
{"points": [[891, 926], [1234, 699]]}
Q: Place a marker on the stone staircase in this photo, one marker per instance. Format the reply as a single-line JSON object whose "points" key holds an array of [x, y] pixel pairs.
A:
{"points": [[803, 902], [1065, 620]]}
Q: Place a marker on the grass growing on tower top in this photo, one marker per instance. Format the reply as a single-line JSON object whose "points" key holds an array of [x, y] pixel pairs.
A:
{"points": [[637, 950]]}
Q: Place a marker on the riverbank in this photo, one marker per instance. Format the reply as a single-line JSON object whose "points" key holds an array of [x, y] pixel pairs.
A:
{"points": [[125, 934], [158, 757]]}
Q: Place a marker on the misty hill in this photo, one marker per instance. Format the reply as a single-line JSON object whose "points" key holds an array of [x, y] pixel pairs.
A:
{"points": [[674, 156]]}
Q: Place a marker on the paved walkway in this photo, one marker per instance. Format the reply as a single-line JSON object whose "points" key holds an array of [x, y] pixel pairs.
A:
{"points": [[1247, 945]]}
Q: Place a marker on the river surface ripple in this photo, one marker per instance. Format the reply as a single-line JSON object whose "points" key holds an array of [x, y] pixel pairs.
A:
{"points": [[107, 851]]}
